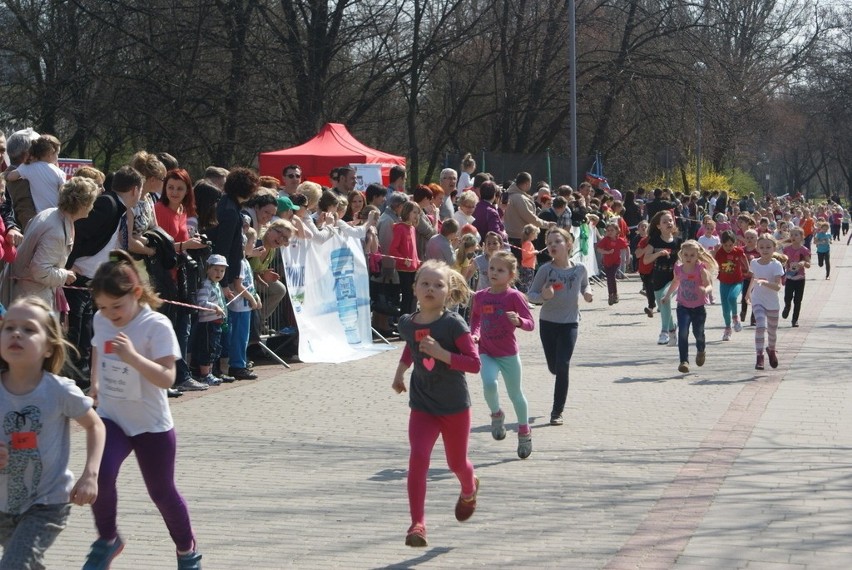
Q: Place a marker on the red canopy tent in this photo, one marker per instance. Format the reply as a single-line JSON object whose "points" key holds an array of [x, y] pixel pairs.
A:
{"points": [[333, 146]]}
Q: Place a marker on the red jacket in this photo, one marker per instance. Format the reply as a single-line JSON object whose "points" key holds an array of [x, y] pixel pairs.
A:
{"points": [[8, 252], [404, 245]]}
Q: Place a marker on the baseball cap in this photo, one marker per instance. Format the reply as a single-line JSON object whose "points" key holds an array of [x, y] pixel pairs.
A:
{"points": [[217, 259], [285, 204]]}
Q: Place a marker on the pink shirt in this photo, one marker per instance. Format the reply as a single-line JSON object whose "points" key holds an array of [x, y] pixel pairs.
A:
{"points": [[489, 322], [690, 291], [795, 255]]}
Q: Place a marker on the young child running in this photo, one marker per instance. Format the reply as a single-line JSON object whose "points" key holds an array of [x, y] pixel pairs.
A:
{"points": [[823, 247], [611, 246], [497, 312], [492, 244], [557, 286], [36, 406], [134, 351], [693, 283], [733, 265], [750, 250], [665, 246], [645, 269], [439, 345], [798, 259], [767, 273]]}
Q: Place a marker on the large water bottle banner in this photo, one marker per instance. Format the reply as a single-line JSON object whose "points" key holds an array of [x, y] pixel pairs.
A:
{"points": [[328, 284]]}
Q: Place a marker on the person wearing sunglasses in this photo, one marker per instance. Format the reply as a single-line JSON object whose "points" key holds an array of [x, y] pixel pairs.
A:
{"points": [[292, 176]]}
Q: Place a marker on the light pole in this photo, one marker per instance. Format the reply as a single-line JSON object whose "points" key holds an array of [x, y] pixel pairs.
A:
{"points": [[699, 68]]}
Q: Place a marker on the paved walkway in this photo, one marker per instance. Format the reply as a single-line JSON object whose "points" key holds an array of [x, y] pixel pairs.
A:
{"points": [[721, 468]]}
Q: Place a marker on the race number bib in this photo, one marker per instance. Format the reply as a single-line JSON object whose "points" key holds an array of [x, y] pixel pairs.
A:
{"points": [[120, 381]]}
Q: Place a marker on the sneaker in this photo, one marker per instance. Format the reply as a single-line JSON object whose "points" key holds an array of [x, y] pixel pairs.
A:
{"points": [[416, 536], [786, 312], [773, 357], [102, 553], [173, 393], [190, 385], [684, 367], [466, 506], [498, 431], [225, 378], [242, 374], [738, 326], [556, 420], [759, 364], [189, 561], [743, 314], [210, 380], [753, 322], [664, 338], [700, 358], [673, 337], [650, 312], [727, 334], [524, 445], [795, 324]]}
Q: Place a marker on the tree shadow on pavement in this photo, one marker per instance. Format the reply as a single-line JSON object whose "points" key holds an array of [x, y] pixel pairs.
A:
{"points": [[435, 474], [431, 554]]}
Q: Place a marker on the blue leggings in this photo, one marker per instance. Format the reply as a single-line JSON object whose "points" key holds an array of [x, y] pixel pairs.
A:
{"points": [[510, 367], [729, 293], [666, 322]]}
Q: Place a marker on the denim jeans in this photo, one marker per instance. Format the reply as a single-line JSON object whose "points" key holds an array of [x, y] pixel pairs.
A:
{"points": [[686, 316]]}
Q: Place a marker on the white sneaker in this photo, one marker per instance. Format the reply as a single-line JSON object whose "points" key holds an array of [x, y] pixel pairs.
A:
{"points": [[726, 335], [673, 338], [664, 338], [738, 326]]}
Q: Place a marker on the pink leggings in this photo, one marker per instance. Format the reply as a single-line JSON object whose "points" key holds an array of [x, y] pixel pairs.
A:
{"points": [[423, 431]]}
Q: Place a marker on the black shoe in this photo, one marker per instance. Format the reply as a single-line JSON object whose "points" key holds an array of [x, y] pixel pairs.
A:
{"points": [[242, 374], [173, 393], [786, 312], [556, 420], [795, 324], [743, 314], [225, 378]]}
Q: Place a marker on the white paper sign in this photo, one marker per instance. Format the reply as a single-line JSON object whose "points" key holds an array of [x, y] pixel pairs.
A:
{"points": [[120, 381]]}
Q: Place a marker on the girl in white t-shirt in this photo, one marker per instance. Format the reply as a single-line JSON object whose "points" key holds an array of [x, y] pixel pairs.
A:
{"points": [[36, 487], [134, 351], [766, 274]]}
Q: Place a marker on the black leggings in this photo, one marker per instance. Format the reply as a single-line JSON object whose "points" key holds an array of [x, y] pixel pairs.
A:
{"points": [[825, 257], [794, 290], [558, 340], [648, 286]]}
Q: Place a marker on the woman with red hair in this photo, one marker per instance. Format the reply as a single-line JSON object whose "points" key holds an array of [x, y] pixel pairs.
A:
{"points": [[175, 205]]}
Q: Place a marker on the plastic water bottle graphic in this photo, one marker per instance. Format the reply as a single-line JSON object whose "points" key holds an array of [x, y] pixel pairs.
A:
{"points": [[343, 269]]}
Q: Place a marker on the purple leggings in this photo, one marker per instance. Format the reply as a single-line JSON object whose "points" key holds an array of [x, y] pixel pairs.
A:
{"points": [[155, 453]]}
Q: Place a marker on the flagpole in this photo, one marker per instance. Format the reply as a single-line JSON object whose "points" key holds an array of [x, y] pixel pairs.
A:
{"points": [[572, 90]]}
